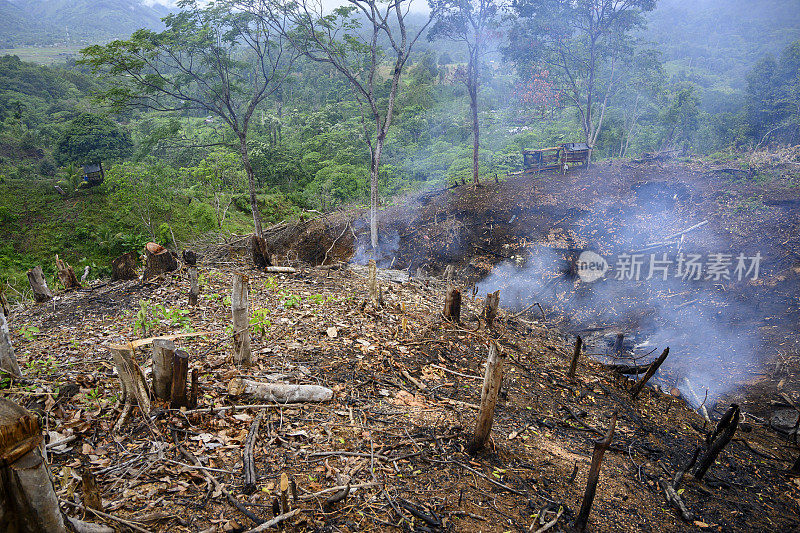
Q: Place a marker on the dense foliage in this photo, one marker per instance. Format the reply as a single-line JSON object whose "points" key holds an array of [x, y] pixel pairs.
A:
{"points": [[176, 169]]}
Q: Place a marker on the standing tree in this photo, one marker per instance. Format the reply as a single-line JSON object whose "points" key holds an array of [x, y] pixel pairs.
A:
{"points": [[211, 59], [468, 22], [339, 40], [581, 43], [90, 139]]}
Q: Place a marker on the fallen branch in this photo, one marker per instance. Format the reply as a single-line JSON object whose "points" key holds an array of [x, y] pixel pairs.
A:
{"points": [[275, 521], [279, 392], [250, 477]]}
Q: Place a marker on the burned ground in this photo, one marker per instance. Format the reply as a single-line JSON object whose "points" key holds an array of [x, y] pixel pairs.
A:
{"points": [[407, 383]]}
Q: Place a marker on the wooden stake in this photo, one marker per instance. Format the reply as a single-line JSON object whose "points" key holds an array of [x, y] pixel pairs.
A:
{"points": [[490, 308], [194, 288], [8, 359], [600, 447], [492, 380], [38, 285], [722, 435], [573, 365], [240, 308], [180, 371], [284, 493], [163, 352], [28, 501], [652, 369], [452, 305]]}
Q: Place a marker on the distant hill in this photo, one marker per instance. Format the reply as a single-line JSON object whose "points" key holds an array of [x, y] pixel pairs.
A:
{"points": [[47, 22]]}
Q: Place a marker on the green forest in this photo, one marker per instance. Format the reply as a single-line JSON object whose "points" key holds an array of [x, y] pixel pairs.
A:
{"points": [[243, 113]]}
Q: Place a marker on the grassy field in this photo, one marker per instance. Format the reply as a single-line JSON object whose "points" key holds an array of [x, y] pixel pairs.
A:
{"points": [[45, 55]]}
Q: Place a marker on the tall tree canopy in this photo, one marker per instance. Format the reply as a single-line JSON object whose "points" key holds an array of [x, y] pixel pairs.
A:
{"points": [[211, 59], [580, 42], [91, 138]]}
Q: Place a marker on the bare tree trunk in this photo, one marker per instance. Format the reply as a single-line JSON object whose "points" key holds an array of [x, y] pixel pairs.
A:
{"points": [[8, 360], [28, 501], [473, 105], [240, 309], [41, 293], [251, 183], [373, 192]]}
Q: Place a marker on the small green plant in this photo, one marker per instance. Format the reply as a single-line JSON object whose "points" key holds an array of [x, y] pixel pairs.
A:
{"points": [[289, 300], [260, 322], [37, 367], [145, 320], [271, 283], [29, 333], [317, 299]]}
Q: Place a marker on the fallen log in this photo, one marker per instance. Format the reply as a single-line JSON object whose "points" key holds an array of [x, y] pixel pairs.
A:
{"points": [[8, 359], [41, 293], [66, 275], [281, 270], [158, 261], [124, 267], [491, 387], [240, 309], [278, 392]]}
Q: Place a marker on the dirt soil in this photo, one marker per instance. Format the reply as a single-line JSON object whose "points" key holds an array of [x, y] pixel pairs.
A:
{"points": [[407, 387]]}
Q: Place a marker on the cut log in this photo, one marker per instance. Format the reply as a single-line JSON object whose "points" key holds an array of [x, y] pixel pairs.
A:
{"points": [[38, 285], [240, 309], [158, 261], [163, 350], [28, 501], [194, 287], [124, 267], [8, 359], [452, 305], [180, 371], [66, 275], [260, 251], [490, 307], [491, 387], [278, 392], [131, 378], [281, 270]]}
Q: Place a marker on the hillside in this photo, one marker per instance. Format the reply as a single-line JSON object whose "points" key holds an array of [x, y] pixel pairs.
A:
{"points": [[46, 22]]}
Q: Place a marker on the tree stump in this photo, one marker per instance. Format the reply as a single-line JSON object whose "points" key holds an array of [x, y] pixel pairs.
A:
{"points": [[124, 267], [189, 257], [240, 309], [490, 308], [4, 307], [163, 350], [39, 286], [180, 371], [194, 287], [66, 275], [131, 378], [28, 501], [158, 261], [8, 360], [258, 247], [492, 380], [452, 305]]}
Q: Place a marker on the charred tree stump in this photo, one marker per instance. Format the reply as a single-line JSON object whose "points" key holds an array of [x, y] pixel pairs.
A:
{"points": [[492, 380], [158, 261], [189, 257], [194, 288], [722, 435], [651, 370], [600, 447], [131, 378], [452, 305], [248, 462], [240, 309], [38, 285], [8, 359], [619, 345], [180, 371], [573, 365], [163, 352], [28, 501], [260, 252], [66, 275], [490, 307], [124, 267]]}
